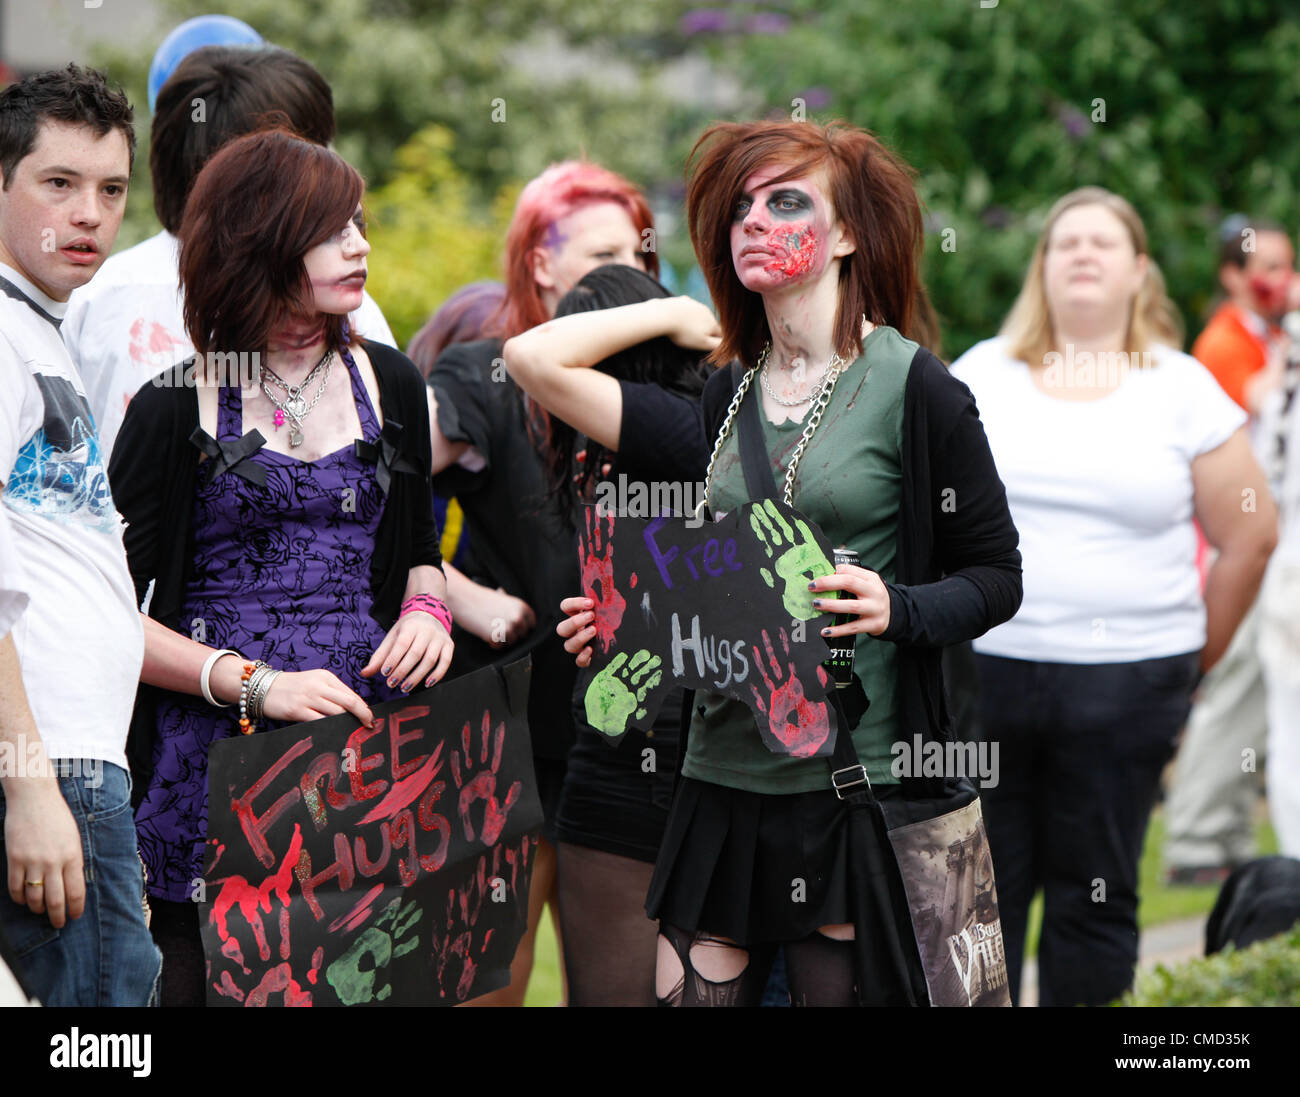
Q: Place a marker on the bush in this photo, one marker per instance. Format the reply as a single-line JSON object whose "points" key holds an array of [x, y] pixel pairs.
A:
{"points": [[1266, 974], [426, 237]]}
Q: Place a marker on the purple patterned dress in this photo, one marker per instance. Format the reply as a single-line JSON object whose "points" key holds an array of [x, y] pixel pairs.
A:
{"points": [[281, 573]]}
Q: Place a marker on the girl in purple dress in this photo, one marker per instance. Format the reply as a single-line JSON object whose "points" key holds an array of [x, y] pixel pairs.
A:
{"points": [[277, 495]]}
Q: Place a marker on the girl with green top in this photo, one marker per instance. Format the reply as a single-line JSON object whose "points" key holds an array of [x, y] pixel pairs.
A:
{"points": [[809, 238]]}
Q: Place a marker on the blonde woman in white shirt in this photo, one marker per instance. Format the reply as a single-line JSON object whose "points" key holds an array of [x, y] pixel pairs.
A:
{"points": [[1109, 442]]}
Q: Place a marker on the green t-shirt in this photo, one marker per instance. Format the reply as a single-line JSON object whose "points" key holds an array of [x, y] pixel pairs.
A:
{"points": [[848, 482]]}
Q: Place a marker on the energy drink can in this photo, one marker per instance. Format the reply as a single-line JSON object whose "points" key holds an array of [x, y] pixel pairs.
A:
{"points": [[840, 664]]}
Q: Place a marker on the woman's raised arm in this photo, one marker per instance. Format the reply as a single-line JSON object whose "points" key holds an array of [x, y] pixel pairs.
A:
{"points": [[545, 360]]}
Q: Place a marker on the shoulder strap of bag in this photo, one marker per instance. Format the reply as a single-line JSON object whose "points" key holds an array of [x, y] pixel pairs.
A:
{"points": [[759, 481]]}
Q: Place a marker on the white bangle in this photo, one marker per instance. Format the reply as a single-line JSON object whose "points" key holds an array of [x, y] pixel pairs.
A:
{"points": [[207, 673]]}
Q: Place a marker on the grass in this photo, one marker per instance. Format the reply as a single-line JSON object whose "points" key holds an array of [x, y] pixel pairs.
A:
{"points": [[544, 987]]}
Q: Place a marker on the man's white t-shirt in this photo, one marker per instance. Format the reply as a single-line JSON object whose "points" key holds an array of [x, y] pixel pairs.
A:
{"points": [[126, 325], [1101, 492], [65, 590]]}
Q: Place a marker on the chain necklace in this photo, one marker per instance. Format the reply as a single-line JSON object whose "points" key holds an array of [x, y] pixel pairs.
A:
{"points": [[767, 386], [827, 386], [293, 406]]}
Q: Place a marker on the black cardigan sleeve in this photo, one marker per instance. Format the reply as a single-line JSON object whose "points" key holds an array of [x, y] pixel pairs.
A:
{"points": [[147, 472], [408, 532], [960, 509]]}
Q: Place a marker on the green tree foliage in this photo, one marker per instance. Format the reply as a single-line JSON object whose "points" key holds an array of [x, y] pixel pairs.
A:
{"points": [[518, 83], [1188, 112], [492, 92], [427, 238]]}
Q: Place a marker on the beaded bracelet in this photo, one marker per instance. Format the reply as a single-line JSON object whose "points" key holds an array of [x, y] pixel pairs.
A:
{"points": [[427, 603], [245, 724]]}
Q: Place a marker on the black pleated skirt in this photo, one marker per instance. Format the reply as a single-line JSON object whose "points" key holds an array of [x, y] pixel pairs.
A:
{"points": [[756, 867]]}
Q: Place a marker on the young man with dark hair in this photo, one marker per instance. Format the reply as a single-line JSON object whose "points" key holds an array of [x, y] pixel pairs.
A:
{"points": [[72, 646], [125, 327]]}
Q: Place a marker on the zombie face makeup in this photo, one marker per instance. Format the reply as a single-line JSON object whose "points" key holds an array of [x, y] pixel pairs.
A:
{"points": [[1268, 273], [782, 234], [337, 268]]}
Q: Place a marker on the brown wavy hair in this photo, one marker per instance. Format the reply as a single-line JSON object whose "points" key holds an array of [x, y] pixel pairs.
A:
{"points": [[258, 206], [872, 194]]}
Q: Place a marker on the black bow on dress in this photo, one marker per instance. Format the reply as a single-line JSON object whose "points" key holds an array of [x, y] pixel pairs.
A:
{"points": [[386, 454], [232, 456]]}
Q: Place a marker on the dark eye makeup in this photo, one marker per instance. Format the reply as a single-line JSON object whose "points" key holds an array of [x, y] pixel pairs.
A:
{"points": [[786, 203]]}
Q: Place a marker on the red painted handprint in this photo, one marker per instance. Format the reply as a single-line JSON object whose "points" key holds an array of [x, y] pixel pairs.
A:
{"points": [[802, 726], [596, 553], [483, 785]]}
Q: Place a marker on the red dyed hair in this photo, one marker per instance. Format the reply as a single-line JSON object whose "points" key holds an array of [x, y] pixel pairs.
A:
{"points": [[258, 206], [557, 192], [873, 196]]}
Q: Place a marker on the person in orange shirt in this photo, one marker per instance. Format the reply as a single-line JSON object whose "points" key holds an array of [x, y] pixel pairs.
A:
{"points": [[1256, 269], [1215, 783]]}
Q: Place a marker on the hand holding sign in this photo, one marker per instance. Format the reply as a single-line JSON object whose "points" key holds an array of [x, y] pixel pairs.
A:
{"points": [[678, 604], [361, 854]]}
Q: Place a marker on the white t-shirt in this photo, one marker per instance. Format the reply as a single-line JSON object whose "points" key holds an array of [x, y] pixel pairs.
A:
{"points": [[1101, 492], [1277, 419], [65, 591], [125, 326]]}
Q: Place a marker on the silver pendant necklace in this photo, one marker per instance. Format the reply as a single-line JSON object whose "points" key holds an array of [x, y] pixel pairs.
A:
{"points": [[293, 406]]}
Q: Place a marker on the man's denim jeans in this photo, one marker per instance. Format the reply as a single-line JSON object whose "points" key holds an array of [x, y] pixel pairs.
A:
{"points": [[106, 957]]}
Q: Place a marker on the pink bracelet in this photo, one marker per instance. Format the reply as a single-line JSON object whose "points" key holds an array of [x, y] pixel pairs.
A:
{"points": [[427, 603]]}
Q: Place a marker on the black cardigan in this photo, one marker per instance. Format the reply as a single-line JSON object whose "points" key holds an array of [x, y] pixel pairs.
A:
{"points": [[957, 573], [154, 474]]}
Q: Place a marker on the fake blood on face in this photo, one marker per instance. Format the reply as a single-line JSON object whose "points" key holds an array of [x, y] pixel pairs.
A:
{"points": [[794, 251]]}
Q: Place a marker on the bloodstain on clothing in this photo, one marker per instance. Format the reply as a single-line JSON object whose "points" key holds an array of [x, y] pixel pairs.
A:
{"points": [[800, 725], [597, 559], [794, 250], [151, 343], [632, 581]]}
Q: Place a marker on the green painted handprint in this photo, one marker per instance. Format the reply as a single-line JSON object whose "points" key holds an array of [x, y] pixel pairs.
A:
{"points": [[800, 560], [616, 693], [355, 984]]}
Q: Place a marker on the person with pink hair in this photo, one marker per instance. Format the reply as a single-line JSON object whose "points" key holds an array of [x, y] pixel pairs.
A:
{"points": [[487, 439]]}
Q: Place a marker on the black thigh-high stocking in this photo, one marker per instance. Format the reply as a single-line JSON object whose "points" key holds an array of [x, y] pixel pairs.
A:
{"points": [[699, 969], [609, 942], [821, 968]]}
